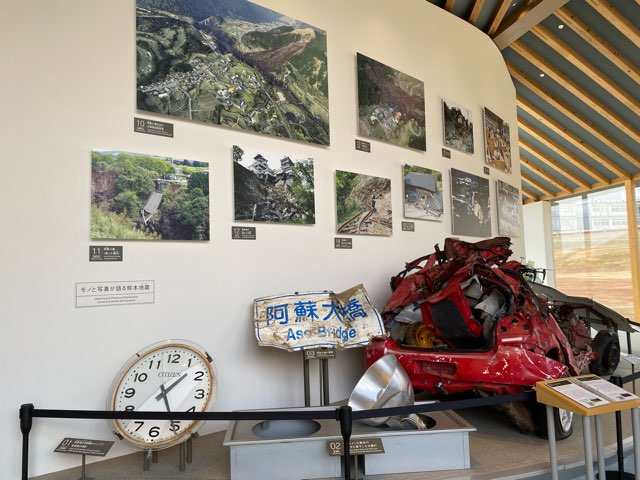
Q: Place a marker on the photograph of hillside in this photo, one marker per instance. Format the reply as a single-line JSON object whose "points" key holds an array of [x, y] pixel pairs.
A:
{"points": [[233, 63], [458, 126], [497, 141], [390, 105], [422, 193], [146, 197], [363, 204], [270, 187], [508, 197]]}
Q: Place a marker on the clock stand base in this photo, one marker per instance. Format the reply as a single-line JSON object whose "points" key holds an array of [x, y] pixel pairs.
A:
{"points": [[185, 455]]}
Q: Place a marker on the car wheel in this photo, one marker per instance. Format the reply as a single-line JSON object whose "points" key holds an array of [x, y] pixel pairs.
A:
{"points": [[607, 346], [562, 421]]}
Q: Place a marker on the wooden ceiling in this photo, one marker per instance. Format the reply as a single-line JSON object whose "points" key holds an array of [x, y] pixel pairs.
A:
{"points": [[574, 64]]}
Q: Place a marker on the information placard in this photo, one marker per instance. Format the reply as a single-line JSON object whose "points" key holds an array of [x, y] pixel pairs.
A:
{"points": [[320, 354], [84, 446], [343, 243], [357, 446], [243, 233], [408, 226], [363, 146], [152, 127], [99, 253], [106, 294]]}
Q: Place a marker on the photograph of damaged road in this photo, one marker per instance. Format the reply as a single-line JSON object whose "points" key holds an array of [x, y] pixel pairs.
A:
{"points": [[299, 240]]}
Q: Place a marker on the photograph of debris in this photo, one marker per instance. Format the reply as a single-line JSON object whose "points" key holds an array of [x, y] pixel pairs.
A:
{"points": [[470, 207], [146, 197], [497, 141], [270, 187], [363, 204], [422, 193], [390, 105], [509, 201], [235, 64], [458, 126]]}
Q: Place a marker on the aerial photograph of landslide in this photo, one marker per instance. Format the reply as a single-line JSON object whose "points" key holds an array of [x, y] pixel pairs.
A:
{"points": [[233, 63]]}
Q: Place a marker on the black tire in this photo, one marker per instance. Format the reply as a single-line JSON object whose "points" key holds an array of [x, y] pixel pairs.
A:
{"points": [[562, 420], [607, 346]]}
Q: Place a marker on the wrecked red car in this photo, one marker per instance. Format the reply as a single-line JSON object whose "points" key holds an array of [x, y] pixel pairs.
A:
{"points": [[466, 319]]}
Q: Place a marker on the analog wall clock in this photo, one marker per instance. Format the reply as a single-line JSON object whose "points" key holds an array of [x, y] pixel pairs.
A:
{"points": [[169, 376]]}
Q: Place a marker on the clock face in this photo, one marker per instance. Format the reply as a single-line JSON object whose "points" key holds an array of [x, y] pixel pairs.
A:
{"points": [[166, 377]]}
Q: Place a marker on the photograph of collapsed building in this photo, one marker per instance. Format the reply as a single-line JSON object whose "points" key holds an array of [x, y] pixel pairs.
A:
{"points": [[470, 208], [422, 193], [458, 126], [363, 204], [272, 187], [509, 223], [497, 141]]}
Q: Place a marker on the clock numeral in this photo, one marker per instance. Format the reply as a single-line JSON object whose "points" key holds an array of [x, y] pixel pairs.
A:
{"points": [[173, 358], [129, 392], [157, 364], [140, 423], [199, 393], [198, 376], [175, 426], [154, 432], [129, 408], [192, 409], [189, 364], [140, 377]]}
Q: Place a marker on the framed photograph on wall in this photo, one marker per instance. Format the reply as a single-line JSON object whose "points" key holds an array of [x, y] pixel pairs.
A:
{"points": [[497, 141], [470, 205], [135, 196], [509, 200], [422, 193], [235, 64], [363, 204], [272, 187], [390, 105], [458, 126]]}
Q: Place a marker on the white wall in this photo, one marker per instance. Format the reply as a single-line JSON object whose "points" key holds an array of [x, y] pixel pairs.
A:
{"points": [[538, 238], [68, 85]]}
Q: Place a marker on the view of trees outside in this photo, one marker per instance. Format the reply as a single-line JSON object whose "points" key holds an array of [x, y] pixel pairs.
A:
{"points": [[591, 248]]}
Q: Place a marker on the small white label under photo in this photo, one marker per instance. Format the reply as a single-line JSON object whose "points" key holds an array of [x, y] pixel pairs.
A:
{"points": [[108, 294]]}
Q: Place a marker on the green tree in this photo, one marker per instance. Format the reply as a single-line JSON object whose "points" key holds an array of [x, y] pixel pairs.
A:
{"points": [[302, 188], [128, 203], [199, 180], [238, 153]]}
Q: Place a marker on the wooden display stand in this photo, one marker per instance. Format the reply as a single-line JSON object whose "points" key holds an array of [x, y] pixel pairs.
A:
{"points": [[577, 395]]}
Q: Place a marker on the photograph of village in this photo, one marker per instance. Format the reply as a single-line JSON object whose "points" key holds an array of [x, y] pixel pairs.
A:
{"points": [[390, 105], [272, 187], [497, 141], [470, 208], [422, 193], [363, 204], [146, 197], [233, 63], [458, 126], [509, 201]]}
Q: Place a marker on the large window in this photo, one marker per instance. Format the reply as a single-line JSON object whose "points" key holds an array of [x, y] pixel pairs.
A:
{"points": [[591, 248]]}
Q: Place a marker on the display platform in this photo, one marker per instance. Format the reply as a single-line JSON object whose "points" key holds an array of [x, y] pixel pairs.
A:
{"points": [[257, 445]]}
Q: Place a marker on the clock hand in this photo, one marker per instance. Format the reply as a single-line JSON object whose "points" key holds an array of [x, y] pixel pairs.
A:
{"points": [[164, 392]]}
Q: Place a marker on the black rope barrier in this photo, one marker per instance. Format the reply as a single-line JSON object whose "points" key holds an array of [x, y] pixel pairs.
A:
{"points": [[344, 414]]}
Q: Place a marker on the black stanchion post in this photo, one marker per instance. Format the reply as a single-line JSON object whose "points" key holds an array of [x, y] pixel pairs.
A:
{"points": [[26, 421], [346, 419], [620, 474]]}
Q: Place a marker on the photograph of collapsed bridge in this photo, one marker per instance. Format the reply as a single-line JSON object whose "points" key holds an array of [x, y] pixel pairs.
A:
{"points": [[422, 193], [271, 187], [458, 126], [508, 198], [470, 207], [363, 204], [497, 141]]}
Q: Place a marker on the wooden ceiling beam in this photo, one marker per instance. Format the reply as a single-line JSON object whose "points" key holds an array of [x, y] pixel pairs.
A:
{"points": [[524, 19], [585, 67], [528, 162], [497, 17], [475, 11], [536, 184], [557, 149], [598, 43], [532, 196], [575, 89], [580, 121], [570, 137], [616, 19], [449, 4]]}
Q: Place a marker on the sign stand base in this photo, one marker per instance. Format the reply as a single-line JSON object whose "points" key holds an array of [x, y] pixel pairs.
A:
{"points": [[84, 474]]}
